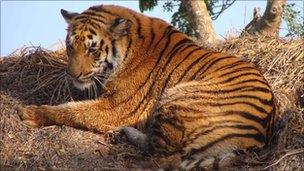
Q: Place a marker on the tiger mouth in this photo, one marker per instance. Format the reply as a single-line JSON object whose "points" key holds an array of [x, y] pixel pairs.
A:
{"points": [[82, 85], [94, 81], [97, 80]]}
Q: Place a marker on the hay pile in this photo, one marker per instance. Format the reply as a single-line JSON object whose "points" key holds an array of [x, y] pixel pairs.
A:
{"points": [[37, 76]]}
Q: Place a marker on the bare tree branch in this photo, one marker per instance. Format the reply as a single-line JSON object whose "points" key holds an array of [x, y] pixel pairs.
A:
{"points": [[269, 23], [201, 21]]}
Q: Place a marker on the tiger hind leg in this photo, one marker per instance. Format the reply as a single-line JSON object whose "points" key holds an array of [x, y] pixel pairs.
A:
{"points": [[190, 122]]}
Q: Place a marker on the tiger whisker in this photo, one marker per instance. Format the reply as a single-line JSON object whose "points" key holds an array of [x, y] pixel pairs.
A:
{"points": [[90, 92], [95, 90], [103, 86]]}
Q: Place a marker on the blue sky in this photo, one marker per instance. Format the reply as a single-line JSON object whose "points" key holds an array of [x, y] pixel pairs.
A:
{"points": [[39, 23]]}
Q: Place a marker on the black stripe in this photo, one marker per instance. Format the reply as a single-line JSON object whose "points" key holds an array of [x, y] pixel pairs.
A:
{"points": [[207, 54], [92, 31], [80, 17], [241, 127], [231, 65], [271, 126], [128, 48], [202, 114], [247, 68], [152, 85], [209, 65], [114, 50], [95, 25], [186, 57], [107, 50], [254, 88], [229, 80], [196, 97], [170, 74], [152, 31], [172, 71], [167, 43], [168, 31], [139, 33], [248, 81], [146, 80], [101, 43], [241, 89], [258, 108], [98, 20], [257, 137], [177, 47], [246, 115], [214, 123], [218, 127]]}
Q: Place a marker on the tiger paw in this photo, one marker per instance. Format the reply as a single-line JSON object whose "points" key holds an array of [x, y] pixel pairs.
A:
{"points": [[128, 134], [114, 136], [32, 116], [219, 162]]}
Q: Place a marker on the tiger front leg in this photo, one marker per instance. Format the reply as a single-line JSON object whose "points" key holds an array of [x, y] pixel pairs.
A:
{"points": [[35, 116], [89, 115]]}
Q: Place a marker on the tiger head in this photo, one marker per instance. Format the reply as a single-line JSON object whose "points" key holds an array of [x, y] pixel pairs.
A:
{"points": [[95, 44]]}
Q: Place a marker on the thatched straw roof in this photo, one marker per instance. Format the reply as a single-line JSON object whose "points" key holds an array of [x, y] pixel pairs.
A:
{"points": [[37, 76]]}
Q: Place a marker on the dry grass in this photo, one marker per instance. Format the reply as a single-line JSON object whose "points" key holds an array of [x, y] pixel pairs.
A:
{"points": [[37, 76], [38, 73]]}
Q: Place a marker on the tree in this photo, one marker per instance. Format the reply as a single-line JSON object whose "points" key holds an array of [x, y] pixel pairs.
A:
{"points": [[193, 17], [269, 23], [294, 21], [200, 19]]}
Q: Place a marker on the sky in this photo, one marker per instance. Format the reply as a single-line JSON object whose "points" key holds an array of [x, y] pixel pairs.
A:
{"points": [[39, 23]]}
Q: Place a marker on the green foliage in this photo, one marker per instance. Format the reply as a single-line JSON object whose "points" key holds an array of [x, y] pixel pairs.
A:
{"points": [[145, 5], [294, 20], [217, 7], [180, 18]]}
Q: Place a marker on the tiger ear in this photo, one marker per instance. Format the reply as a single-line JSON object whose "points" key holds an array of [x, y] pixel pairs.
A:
{"points": [[120, 27], [68, 16]]}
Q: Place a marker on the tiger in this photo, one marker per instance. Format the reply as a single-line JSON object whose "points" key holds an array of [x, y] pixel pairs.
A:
{"points": [[177, 98]]}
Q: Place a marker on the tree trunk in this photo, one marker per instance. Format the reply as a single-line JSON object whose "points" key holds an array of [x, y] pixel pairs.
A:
{"points": [[201, 21], [269, 23]]}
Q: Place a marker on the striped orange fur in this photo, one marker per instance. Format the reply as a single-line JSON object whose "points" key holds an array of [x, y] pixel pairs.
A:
{"points": [[192, 102]]}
